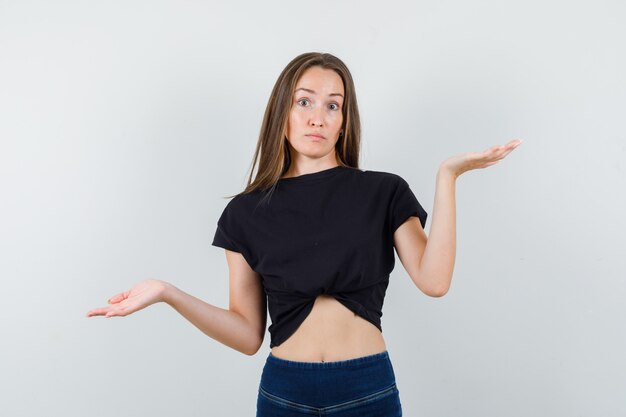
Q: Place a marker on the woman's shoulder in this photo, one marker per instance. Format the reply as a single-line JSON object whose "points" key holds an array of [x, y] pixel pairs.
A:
{"points": [[387, 176], [245, 203]]}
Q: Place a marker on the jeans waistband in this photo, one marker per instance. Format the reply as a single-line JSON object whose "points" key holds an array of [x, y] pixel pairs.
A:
{"points": [[324, 365], [325, 383]]}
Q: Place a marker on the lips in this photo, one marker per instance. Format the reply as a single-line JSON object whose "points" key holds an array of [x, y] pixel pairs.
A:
{"points": [[316, 135]]}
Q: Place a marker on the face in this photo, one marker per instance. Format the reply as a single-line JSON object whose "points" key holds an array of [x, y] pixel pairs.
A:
{"points": [[316, 108]]}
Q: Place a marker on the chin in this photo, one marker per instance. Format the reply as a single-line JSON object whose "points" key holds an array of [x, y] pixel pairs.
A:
{"points": [[313, 155], [314, 149]]}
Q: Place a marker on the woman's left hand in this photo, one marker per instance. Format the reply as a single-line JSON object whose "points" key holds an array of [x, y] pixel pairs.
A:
{"points": [[475, 160]]}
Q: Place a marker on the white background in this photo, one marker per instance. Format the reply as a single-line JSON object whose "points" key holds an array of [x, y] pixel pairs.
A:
{"points": [[124, 123]]}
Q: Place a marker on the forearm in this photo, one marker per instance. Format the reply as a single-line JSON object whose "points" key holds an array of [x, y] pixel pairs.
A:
{"points": [[225, 326], [437, 263]]}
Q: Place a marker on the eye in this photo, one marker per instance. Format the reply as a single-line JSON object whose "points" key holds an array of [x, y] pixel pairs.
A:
{"points": [[302, 99], [336, 105]]}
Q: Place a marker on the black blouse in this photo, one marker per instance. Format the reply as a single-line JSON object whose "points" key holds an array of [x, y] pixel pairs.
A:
{"points": [[328, 232]]}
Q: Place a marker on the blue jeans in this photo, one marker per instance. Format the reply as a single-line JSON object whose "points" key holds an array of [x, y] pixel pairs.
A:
{"points": [[358, 387]]}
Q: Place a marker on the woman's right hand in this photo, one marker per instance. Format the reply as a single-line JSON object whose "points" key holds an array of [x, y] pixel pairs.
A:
{"points": [[142, 295]]}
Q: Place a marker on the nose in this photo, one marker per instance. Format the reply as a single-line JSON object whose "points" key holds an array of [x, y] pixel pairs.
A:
{"points": [[317, 117]]}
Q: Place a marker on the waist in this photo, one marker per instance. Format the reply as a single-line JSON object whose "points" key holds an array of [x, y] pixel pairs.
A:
{"points": [[332, 342]]}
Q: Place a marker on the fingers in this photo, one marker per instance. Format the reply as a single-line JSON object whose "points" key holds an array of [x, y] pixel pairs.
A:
{"points": [[98, 312], [106, 312], [118, 297], [118, 306], [101, 312], [111, 314], [500, 151], [510, 146]]}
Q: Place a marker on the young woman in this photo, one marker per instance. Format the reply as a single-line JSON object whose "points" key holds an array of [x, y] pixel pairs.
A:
{"points": [[312, 238]]}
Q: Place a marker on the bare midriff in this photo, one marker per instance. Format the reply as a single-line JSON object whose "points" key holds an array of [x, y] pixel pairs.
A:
{"points": [[331, 332]]}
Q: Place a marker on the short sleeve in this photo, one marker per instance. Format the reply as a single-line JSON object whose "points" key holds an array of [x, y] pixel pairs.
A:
{"points": [[227, 234], [403, 205]]}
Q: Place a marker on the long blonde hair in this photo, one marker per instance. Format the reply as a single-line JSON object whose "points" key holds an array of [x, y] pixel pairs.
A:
{"points": [[272, 149]]}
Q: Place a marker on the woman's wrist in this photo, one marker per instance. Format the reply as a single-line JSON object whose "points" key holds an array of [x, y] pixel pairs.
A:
{"points": [[168, 292], [446, 172]]}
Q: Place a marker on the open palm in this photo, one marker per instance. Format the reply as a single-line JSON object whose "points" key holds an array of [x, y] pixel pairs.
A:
{"points": [[142, 295], [475, 160]]}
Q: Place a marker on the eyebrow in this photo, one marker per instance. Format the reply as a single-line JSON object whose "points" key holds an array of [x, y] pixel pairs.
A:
{"points": [[313, 92]]}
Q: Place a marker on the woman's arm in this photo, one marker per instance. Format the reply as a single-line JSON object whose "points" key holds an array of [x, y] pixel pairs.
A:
{"points": [[225, 326], [430, 260], [437, 263]]}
